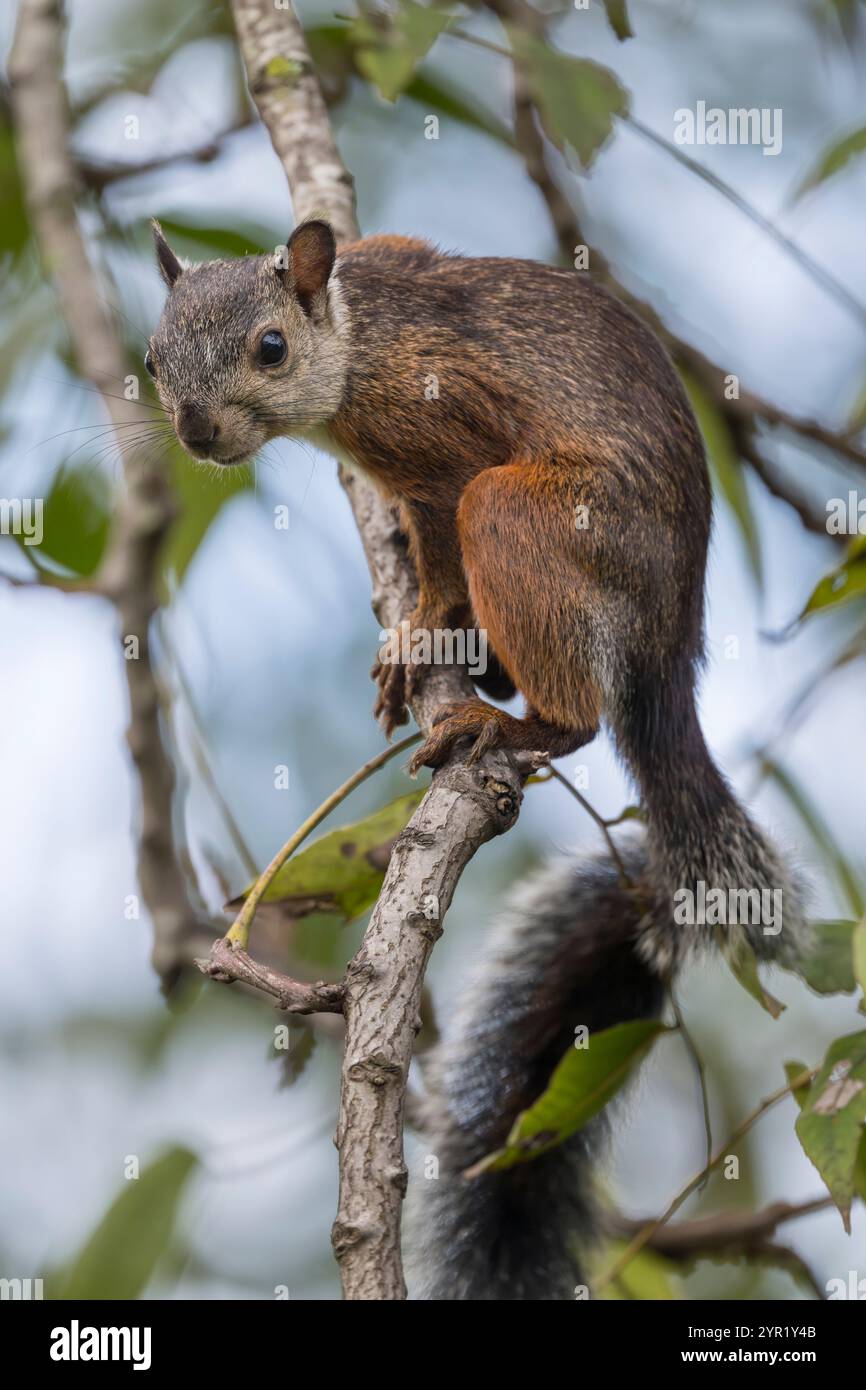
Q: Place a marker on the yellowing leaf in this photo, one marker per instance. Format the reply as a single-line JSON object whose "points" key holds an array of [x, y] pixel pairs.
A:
{"points": [[343, 870], [648, 1276]]}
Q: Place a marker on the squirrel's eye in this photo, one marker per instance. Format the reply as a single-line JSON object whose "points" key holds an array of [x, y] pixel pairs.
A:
{"points": [[148, 363], [272, 349]]}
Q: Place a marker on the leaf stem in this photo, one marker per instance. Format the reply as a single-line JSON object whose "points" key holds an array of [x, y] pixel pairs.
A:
{"points": [[600, 822]]}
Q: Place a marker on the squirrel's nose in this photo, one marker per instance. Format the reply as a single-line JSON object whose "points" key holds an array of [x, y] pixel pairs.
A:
{"points": [[195, 428]]}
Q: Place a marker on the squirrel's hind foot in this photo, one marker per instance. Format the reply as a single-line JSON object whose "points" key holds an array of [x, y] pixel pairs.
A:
{"points": [[489, 728]]}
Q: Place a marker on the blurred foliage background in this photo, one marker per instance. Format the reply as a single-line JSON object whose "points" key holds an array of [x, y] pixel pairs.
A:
{"points": [[265, 636]]}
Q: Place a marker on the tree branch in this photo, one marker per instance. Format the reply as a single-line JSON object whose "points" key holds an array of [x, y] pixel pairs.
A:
{"points": [[726, 1232], [145, 511], [227, 964], [465, 805]]}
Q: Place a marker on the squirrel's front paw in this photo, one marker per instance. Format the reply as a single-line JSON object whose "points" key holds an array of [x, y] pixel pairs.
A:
{"points": [[390, 707], [398, 676]]}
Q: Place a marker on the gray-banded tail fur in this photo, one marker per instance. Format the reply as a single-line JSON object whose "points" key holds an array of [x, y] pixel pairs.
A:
{"points": [[564, 955], [700, 840], [576, 946]]}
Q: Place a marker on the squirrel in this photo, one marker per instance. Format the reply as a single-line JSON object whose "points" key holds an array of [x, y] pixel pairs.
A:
{"points": [[555, 494]]}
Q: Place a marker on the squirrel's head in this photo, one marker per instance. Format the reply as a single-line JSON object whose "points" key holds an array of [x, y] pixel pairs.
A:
{"points": [[250, 349]]}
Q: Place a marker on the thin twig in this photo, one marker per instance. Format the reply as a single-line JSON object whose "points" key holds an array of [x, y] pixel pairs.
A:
{"points": [[648, 1231], [741, 1230], [239, 934], [600, 822], [229, 964], [698, 1062]]}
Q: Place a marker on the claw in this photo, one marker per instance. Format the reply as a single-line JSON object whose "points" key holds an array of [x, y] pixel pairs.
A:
{"points": [[458, 720]]}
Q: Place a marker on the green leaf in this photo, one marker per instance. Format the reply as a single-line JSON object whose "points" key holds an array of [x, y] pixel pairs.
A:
{"points": [[582, 1084], [76, 516], [847, 878], [343, 870], [792, 1071], [15, 227], [648, 1276], [215, 243], [119, 1259], [201, 492], [829, 966], [434, 95], [834, 158], [859, 956], [846, 582], [577, 99], [728, 473], [617, 18], [743, 964], [830, 1125], [388, 49]]}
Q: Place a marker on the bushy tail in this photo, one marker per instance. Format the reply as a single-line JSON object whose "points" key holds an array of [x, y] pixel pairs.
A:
{"points": [[564, 955], [579, 946], [715, 879]]}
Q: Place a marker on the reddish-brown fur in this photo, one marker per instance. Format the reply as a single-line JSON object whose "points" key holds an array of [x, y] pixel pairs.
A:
{"points": [[551, 398]]}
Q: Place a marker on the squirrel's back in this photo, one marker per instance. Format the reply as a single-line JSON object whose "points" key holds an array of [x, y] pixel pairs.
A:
{"points": [[527, 358]]}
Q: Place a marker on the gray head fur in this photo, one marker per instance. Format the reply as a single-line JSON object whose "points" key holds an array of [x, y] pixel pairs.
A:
{"points": [[205, 354]]}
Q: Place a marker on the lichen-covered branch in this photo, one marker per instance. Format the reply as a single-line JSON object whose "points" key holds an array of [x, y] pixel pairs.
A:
{"points": [[129, 573], [286, 91]]}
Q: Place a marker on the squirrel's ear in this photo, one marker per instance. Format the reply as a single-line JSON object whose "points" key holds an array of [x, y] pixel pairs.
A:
{"points": [[170, 267], [312, 249]]}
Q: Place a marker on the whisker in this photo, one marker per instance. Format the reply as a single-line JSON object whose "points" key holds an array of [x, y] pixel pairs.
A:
{"points": [[97, 429], [128, 321]]}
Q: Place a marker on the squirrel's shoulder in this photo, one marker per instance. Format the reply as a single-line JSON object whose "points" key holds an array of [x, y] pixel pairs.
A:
{"points": [[498, 278], [387, 251]]}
